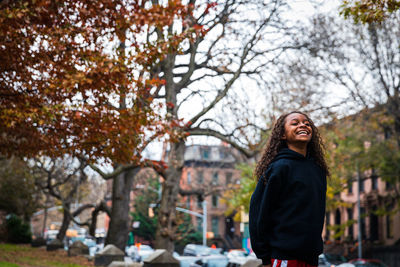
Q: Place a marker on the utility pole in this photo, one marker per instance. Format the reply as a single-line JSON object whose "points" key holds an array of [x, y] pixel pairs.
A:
{"points": [[359, 213], [204, 223]]}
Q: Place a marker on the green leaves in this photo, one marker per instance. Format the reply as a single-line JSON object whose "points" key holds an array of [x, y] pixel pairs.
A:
{"points": [[369, 11], [239, 195]]}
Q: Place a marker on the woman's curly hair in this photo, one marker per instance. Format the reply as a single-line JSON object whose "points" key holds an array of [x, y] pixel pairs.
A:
{"points": [[315, 147]]}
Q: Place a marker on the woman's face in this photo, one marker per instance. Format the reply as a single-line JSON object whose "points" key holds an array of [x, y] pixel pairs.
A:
{"points": [[297, 129]]}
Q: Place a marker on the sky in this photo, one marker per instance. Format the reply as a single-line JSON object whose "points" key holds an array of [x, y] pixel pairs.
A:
{"points": [[300, 12]]}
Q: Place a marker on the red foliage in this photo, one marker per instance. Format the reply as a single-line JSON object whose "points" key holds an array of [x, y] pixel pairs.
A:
{"points": [[62, 90]]}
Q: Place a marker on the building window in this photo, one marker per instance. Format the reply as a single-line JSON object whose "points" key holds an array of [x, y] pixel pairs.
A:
{"points": [[350, 185], [199, 224], [222, 153], [188, 202], [373, 224], [350, 217], [215, 178], [387, 132], [338, 221], [327, 223], [361, 185], [189, 177], [214, 200], [214, 226], [205, 153], [389, 223], [388, 185], [363, 232], [228, 178], [200, 177], [199, 202], [374, 180]]}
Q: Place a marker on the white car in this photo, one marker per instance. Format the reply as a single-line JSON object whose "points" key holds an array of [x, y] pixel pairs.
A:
{"points": [[144, 251], [363, 263], [330, 260], [236, 258]]}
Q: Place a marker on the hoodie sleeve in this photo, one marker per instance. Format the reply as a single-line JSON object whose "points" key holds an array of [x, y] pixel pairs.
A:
{"points": [[260, 214]]}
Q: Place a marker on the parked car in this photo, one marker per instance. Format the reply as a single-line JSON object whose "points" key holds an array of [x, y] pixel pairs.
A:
{"points": [[363, 263], [330, 260], [132, 252], [186, 261], [144, 251], [50, 235], [211, 261], [196, 250], [236, 258]]}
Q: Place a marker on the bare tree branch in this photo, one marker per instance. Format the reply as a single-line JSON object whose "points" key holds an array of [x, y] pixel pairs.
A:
{"points": [[120, 169], [226, 138]]}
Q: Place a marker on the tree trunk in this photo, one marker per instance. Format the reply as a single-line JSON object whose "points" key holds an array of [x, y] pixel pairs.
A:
{"points": [[119, 220], [102, 206], [45, 215], [166, 225], [65, 223], [393, 108]]}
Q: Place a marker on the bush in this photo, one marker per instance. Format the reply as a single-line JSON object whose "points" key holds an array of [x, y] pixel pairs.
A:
{"points": [[17, 231]]}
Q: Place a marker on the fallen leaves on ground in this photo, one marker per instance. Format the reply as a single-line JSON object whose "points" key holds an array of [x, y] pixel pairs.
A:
{"points": [[26, 256]]}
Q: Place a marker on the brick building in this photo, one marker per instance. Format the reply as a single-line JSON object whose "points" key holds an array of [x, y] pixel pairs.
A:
{"points": [[379, 198], [375, 194], [213, 169]]}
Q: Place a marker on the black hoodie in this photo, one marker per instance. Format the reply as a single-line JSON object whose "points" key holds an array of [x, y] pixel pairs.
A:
{"points": [[287, 213]]}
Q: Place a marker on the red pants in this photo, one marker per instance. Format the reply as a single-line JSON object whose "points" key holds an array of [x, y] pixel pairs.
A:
{"points": [[289, 263]]}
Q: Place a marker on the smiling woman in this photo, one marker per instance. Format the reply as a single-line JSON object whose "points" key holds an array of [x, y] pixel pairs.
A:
{"points": [[298, 132], [288, 205]]}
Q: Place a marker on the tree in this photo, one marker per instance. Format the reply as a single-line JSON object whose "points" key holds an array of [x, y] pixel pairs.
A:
{"points": [[356, 145], [75, 80], [63, 179], [363, 61], [208, 69], [238, 197], [369, 11], [101, 103], [146, 199], [18, 193], [146, 207]]}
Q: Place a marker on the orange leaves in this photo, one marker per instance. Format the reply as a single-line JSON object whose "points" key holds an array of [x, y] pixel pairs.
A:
{"points": [[170, 105], [158, 165], [155, 82], [210, 6], [63, 90]]}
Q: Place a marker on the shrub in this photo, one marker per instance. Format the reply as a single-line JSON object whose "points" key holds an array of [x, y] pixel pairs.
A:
{"points": [[17, 230]]}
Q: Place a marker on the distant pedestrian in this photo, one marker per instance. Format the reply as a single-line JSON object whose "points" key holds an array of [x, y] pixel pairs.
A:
{"points": [[287, 208]]}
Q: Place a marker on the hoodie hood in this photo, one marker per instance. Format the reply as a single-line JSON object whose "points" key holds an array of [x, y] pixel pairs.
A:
{"points": [[287, 153]]}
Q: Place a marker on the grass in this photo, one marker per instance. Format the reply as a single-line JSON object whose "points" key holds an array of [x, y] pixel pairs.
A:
{"points": [[7, 264], [11, 247], [25, 256]]}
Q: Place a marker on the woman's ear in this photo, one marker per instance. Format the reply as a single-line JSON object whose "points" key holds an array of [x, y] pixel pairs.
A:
{"points": [[283, 137]]}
